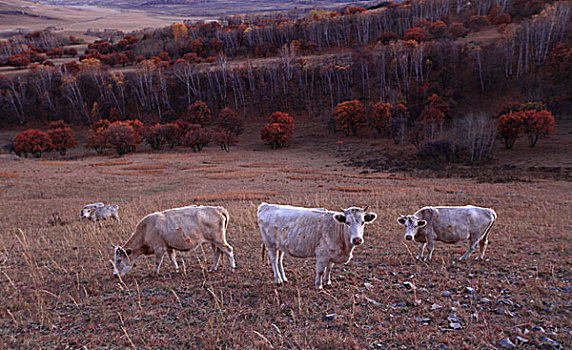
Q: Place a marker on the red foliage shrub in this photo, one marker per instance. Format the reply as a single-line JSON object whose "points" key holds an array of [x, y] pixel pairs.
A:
{"points": [[56, 52], [350, 116], [509, 126], [122, 137], [159, 135], [198, 113], [122, 59], [164, 56], [538, 123], [477, 22], [210, 59], [439, 29], [354, 9], [229, 121], [192, 58], [502, 19], [198, 138], [279, 131], [70, 51], [457, 29], [387, 37], [224, 139], [95, 137], [71, 67], [32, 141], [416, 33], [62, 138], [17, 61], [380, 116]]}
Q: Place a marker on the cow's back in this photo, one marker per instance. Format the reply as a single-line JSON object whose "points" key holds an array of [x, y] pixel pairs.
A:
{"points": [[451, 224], [298, 231], [185, 228]]}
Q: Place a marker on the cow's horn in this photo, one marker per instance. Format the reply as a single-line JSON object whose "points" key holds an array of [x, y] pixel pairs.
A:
{"points": [[366, 208]]}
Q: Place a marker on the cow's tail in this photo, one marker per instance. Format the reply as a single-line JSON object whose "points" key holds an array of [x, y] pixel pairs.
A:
{"points": [[224, 213], [494, 219]]}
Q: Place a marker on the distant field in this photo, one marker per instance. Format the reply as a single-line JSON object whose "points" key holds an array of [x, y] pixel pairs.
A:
{"points": [[23, 15], [58, 290]]}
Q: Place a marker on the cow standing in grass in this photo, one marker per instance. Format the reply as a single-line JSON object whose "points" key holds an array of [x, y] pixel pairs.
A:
{"points": [[328, 236], [86, 208], [103, 213], [181, 229], [449, 225]]}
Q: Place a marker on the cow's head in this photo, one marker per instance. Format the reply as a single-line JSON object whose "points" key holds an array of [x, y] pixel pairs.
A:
{"points": [[121, 261], [355, 219], [412, 224], [85, 213]]}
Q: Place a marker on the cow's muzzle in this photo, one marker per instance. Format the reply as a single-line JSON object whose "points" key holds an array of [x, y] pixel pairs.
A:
{"points": [[409, 238], [357, 241]]}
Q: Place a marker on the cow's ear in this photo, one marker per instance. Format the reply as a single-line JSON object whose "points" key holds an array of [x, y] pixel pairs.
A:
{"points": [[421, 223], [128, 251], [370, 217], [340, 218], [402, 220]]}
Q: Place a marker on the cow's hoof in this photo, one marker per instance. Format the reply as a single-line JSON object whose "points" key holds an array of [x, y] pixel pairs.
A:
{"points": [[279, 284]]}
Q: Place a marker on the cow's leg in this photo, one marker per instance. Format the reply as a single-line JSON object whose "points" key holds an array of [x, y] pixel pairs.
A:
{"points": [[472, 245], [173, 256], [483, 248], [321, 265], [272, 255], [116, 217], [421, 249], [430, 246], [216, 255], [328, 274], [159, 253], [281, 266]]}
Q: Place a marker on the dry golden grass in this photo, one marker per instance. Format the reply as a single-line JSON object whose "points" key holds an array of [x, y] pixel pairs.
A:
{"points": [[262, 165], [235, 195], [55, 162], [6, 175], [214, 170], [145, 167], [130, 173], [112, 163], [57, 284], [247, 174], [307, 177]]}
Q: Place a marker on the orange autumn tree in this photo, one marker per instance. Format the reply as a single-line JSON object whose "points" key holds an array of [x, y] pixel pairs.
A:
{"points": [[95, 138], [380, 116], [350, 116], [32, 141], [198, 113], [538, 123], [122, 137], [62, 136], [509, 126], [279, 131]]}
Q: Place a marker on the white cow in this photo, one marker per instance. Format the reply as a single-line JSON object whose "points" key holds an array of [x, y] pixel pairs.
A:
{"points": [[181, 229], [103, 213], [311, 232], [449, 225], [86, 208]]}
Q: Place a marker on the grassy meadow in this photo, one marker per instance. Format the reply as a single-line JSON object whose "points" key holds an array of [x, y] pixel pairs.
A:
{"points": [[59, 292]]}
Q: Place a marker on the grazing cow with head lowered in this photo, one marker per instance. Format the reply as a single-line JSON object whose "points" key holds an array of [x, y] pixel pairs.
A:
{"points": [[180, 229], [103, 213], [311, 232], [449, 225], [86, 209]]}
